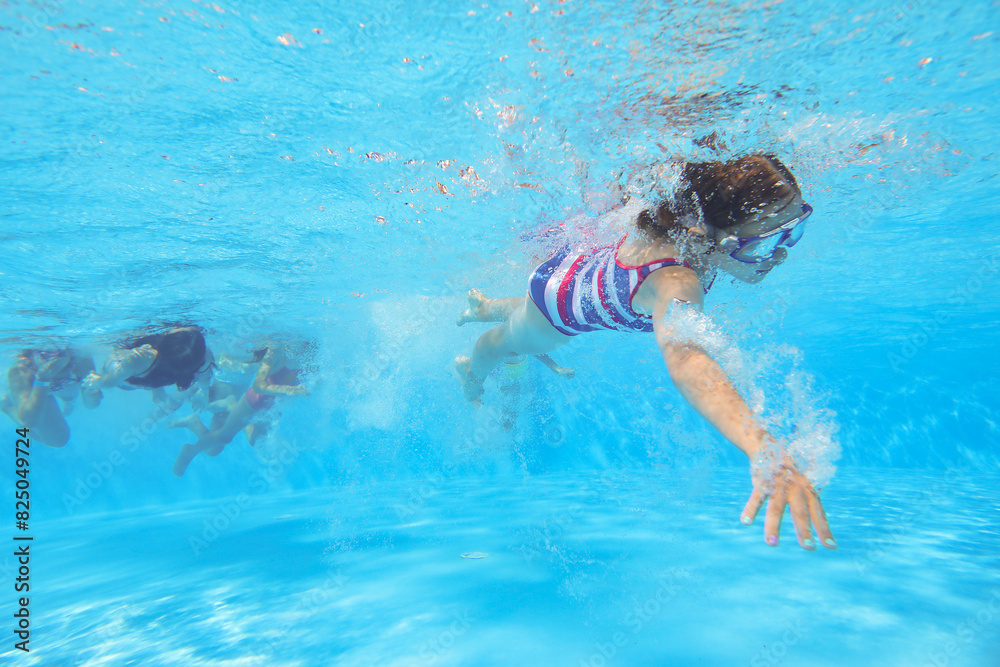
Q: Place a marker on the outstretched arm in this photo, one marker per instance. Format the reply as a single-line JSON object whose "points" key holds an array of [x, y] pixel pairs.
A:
{"points": [[230, 363], [707, 388], [122, 365]]}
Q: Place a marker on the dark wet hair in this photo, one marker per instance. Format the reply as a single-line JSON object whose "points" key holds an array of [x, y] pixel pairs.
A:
{"points": [[180, 354], [723, 193]]}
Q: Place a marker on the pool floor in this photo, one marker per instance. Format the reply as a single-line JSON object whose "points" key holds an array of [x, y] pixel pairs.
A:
{"points": [[623, 568]]}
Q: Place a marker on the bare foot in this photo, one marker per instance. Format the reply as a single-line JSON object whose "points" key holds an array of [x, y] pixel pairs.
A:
{"points": [[476, 312], [471, 387], [566, 372]]}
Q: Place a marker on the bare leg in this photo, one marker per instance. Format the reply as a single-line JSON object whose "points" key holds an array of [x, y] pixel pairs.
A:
{"points": [[526, 332], [208, 443], [483, 309], [212, 441], [222, 405], [188, 452]]}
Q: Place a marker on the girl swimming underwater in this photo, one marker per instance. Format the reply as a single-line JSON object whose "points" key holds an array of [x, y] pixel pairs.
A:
{"points": [[738, 216], [274, 377]]}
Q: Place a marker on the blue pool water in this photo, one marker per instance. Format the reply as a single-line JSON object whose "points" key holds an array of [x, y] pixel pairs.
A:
{"points": [[339, 175]]}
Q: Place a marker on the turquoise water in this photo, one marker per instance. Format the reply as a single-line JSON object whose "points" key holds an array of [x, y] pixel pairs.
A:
{"points": [[339, 176]]}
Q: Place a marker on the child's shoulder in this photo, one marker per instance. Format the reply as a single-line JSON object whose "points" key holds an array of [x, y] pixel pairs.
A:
{"points": [[640, 248]]}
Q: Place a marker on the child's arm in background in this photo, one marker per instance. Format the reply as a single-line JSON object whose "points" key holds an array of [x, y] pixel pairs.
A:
{"points": [[122, 365], [550, 363], [274, 360]]}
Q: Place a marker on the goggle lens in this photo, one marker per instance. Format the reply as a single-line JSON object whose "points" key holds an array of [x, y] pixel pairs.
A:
{"points": [[795, 234], [760, 249]]}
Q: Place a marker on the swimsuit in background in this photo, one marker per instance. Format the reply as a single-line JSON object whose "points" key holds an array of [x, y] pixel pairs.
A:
{"points": [[581, 292], [513, 369]]}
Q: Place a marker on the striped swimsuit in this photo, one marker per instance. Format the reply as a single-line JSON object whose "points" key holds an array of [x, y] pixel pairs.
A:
{"points": [[581, 292]]}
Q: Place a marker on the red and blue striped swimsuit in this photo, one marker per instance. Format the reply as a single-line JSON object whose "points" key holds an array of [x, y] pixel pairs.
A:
{"points": [[581, 292]]}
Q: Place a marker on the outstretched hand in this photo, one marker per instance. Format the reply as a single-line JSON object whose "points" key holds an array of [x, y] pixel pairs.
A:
{"points": [[791, 488]]}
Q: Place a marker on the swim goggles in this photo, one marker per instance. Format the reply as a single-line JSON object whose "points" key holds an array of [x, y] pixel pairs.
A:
{"points": [[756, 249]]}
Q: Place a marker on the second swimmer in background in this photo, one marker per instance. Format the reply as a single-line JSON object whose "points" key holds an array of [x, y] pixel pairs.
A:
{"points": [[177, 356], [274, 378]]}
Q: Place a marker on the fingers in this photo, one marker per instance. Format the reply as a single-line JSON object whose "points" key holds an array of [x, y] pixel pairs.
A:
{"points": [[795, 491], [805, 508], [753, 506], [798, 505], [772, 517], [818, 515]]}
